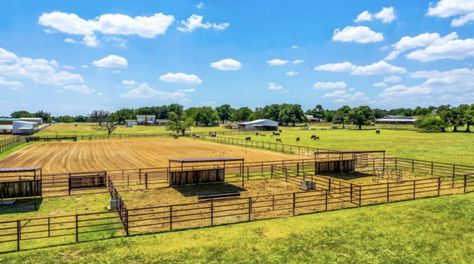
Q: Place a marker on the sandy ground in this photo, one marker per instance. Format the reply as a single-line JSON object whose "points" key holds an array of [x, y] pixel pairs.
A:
{"points": [[126, 154]]}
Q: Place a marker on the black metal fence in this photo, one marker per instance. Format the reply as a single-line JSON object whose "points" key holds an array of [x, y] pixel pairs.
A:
{"points": [[9, 143]]}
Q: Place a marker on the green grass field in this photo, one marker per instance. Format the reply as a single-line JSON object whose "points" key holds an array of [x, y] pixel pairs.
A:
{"points": [[94, 129], [437, 230], [440, 147]]}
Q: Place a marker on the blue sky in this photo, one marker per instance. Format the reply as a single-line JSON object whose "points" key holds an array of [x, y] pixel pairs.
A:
{"points": [[71, 57]]}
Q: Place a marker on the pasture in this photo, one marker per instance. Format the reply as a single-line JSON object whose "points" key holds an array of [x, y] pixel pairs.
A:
{"points": [[78, 129], [440, 147]]}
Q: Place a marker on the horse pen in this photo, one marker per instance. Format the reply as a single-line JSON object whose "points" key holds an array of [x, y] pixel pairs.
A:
{"points": [[194, 184]]}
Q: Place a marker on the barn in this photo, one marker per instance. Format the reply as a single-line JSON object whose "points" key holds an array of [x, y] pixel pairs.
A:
{"points": [[396, 120], [24, 127], [259, 124], [146, 119]]}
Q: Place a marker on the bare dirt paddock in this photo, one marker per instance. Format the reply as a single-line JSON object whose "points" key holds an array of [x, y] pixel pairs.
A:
{"points": [[126, 154]]}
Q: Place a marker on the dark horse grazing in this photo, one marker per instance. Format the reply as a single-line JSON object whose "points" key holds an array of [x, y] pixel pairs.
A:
{"points": [[279, 140], [276, 133], [248, 138], [297, 139], [377, 131], [314, 137]]}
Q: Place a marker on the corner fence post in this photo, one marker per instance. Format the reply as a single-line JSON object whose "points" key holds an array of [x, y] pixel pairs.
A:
{"points": [[146, 180], [126, 223], [18, 234]]}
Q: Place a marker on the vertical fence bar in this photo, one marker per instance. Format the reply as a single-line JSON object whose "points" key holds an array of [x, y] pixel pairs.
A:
{"points": [[250, 209], [126, 223], [171, 218], [465, 183], [439, 186], [77, 228], [294, 203], [146, 180], [18, 234], [454, 175], [360, 195], [414, 189], [326, 200], [388, 192], [212, 213], [49, 226]]}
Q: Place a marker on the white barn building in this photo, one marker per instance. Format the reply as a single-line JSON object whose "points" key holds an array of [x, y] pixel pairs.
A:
{"points": [[24, 127], [146, 119], [259, 124]]}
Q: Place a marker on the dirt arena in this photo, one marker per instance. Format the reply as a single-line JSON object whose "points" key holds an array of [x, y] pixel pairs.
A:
{"points": [[126, 154]]}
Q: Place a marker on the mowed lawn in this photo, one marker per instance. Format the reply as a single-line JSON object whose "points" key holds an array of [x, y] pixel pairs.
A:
{"points": [[440, 147], [94, 129], [437, 230]]}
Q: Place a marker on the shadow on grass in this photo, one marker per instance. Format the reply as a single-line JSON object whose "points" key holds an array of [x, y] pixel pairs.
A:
{"points": [[20, 206], [208, 188]]}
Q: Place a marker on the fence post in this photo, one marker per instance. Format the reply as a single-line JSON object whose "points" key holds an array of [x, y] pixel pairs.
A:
{"points": [[360, 195], [351, 192], [77, 228], [294, 203], [388, 192], [49, 226], [326, 201], [412, 165], [212, 213], [273, 202], [454, 175], [250, 209], [465, 183], [69, 184], [171, 218], [146, 180], [18, 234], [126, 223], [439, 185], [432, 169], [414, 189]]}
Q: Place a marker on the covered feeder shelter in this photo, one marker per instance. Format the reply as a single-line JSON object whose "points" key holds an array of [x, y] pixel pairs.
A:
{"points": [[201, 170], [16, 183]]}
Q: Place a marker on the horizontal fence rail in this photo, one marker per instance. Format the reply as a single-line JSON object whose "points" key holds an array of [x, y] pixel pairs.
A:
{"points": [[331, 195], [9, 143]]}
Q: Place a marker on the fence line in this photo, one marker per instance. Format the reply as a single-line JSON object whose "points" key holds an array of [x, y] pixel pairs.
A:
{"points": [[33, 233], [7, 144]]}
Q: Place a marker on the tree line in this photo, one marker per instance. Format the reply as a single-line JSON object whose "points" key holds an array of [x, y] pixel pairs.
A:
{"points": [[431, 118]]}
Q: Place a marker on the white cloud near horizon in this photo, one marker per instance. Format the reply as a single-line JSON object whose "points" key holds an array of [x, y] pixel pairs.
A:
{"points": [[196, 21], [462, 10], [274, 86], [107, 24], [180, 77], [358, 34], [226, 65], [145, 91], [380, 67], [111, 61], [41, 71], [330, 85]]}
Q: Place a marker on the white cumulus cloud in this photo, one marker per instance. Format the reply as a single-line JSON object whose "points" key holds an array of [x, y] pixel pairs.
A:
{"points": [[359, 34], [111, 61], [330, 85], [227, 65], [291, 73], [274, 86], [180, 77], [108, 24], [145, 91], [196, 21], [462, 10], [380, 67], [277, 62], [386, 15], [12, 85]]}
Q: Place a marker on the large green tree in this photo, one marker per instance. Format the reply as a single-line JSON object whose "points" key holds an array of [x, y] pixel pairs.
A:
{"points": [[362, 115], [342, 115], [179, 123], [431, 123], [225, 112], [242, 114], [291, 114]]}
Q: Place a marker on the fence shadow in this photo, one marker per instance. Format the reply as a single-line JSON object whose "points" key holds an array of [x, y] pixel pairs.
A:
{"points": [[20, 206], [209, 188]]}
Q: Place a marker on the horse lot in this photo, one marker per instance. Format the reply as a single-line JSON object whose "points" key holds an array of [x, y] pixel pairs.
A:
{"points": [[126, 154]]}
